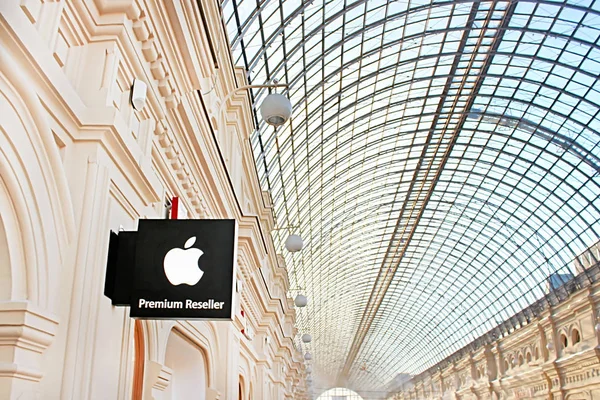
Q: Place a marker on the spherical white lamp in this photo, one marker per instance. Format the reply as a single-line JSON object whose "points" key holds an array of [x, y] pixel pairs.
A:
{"points": [[597, 327], [307, 356], [276, 109], [550, 346], [306, 338], [308, 370], [294, 243], [301, 300]]}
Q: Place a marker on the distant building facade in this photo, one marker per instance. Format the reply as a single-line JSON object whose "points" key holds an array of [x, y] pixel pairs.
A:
{"points": [[548, 351]]}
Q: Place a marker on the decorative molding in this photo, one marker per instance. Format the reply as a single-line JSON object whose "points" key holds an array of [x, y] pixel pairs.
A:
{"points": [[82, 80], [128, 7], [28, 331], [157, 376], [212, 394], [568, 373]]}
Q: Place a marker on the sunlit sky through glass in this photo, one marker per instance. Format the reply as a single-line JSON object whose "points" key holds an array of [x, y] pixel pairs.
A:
{"points": [[442, 160], [339, 394]]}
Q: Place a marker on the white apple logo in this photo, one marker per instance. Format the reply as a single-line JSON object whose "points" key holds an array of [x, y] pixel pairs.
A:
{"points": [[181, 266]]}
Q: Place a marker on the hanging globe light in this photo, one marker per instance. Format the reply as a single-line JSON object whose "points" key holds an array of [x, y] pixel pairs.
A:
{"points": [[276, 109], [294, 243], [307, 356], [306, 338], [301, 300]]}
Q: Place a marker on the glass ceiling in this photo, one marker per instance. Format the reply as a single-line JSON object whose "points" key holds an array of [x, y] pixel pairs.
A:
{"points": [[442, 161]]}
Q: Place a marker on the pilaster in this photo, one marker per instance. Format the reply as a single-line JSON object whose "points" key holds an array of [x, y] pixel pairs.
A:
{"points": [[25, 333]]}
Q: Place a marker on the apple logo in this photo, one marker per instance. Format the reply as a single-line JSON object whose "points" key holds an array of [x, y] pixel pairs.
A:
{"points": [[181, 266]]}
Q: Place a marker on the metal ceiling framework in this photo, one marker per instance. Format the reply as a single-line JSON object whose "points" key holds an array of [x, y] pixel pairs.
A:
{"points": [[442, 161]]}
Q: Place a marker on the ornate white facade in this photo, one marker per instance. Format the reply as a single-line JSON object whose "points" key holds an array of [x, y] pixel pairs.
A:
{"points": [[553, 356], [76, 161]]}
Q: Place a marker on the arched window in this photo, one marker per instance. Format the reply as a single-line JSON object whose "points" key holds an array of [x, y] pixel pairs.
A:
{"points": [[5, 273], [339, 393], [528, 357], [189, 368], [241, 388], [139, 361], [520, 359], [564, 341], [506, 366], [537, 353], [575, 337]]}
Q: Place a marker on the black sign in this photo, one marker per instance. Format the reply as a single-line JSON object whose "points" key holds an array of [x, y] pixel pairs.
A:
{"points": [[182, 269]]}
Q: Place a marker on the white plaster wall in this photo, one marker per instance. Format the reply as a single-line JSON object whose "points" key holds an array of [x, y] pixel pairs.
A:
{"points": [[189, 380], [76, 161]]}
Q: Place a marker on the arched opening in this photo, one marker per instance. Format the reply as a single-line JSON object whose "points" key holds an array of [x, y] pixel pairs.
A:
{"points": [[564, 341], [575, 337], [537, 353], [521, 362], [138, 361], [5, 275], [506, 365], [339, 394], [241, 385], [528, 357], [189, 367]]}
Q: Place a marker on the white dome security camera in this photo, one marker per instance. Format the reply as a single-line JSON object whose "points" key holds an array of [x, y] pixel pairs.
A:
{"points": [[276, 109], [138, 94]]}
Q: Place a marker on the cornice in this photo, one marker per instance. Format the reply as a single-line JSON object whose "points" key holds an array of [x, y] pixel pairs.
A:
{"points": [[147, 48], [119, 149], [26, 332], [266, 315], [248, 350], [157, 376], [51, 165]]}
